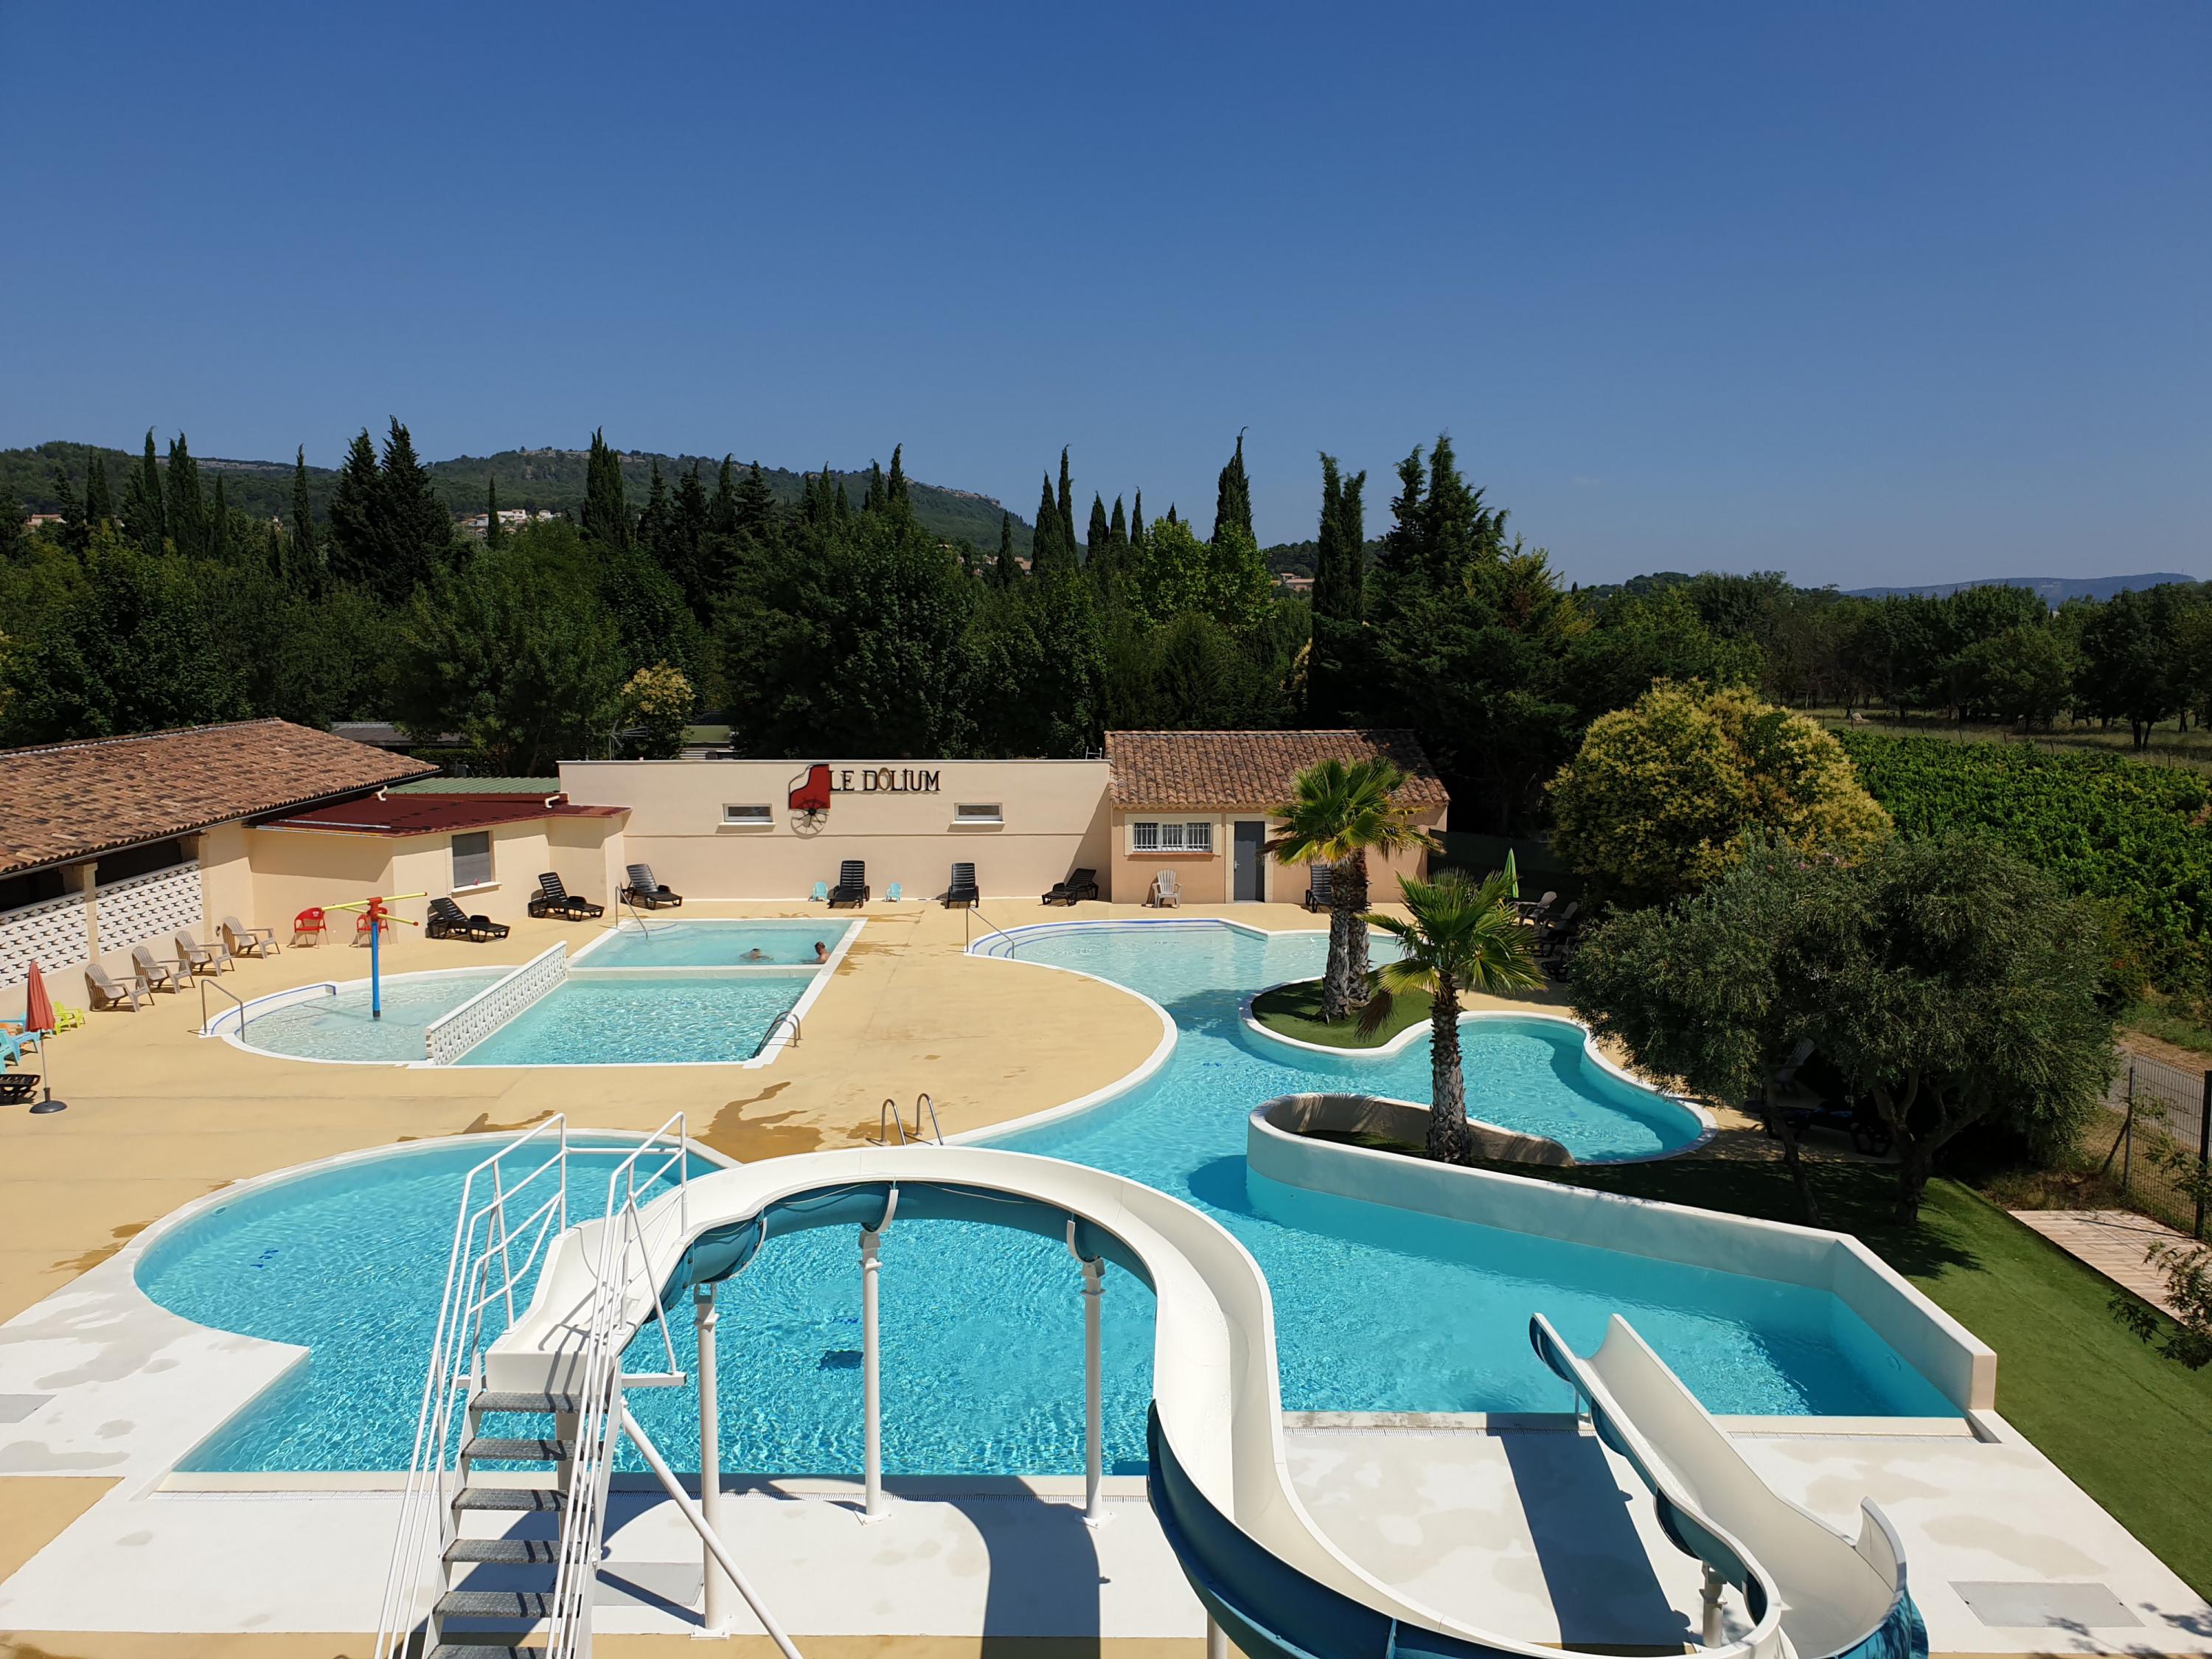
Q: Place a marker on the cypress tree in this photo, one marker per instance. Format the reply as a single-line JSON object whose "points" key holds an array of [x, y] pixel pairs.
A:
{"points": [[15, 540], [685, 555], [1046, 549], [654, 524], [1172, 516], [900, 495], [415, 528], [187, 507], [355, 553], [144, 519], [218, 538], [99, 506], [491, 510], [844, 505], [722, 511], [1004, 570], [1232, 500], [873, 500], [1066, 504], [1117, 528], [1099, 539], [76, 534], [1339, 597], [1137, 521], [756, 506], [606, 509], [303, 514], [273, 556]]}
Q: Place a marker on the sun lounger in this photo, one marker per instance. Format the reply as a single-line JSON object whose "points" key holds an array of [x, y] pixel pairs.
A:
{"points": [[15, 1086], [1320, 886], [448, 921], [553, 898], [154, 973], [246, 941], [1080, 884], [200, 958], [852, 886], [106, 993], [961, 889], [646, 893], [1167, 891]]}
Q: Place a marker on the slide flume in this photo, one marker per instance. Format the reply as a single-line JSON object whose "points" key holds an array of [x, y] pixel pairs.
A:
{"points": [[1220, 1481]]}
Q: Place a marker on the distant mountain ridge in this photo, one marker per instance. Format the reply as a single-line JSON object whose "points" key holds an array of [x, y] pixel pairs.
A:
{"points": [[552, 479], [2052, 590]]}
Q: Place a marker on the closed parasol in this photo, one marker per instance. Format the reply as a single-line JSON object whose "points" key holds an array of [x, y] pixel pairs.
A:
{"points": [[38, 1021]]}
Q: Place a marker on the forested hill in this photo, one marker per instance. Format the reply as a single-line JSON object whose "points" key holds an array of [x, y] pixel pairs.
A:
{"points": [[2052, 590], [534, 478]]}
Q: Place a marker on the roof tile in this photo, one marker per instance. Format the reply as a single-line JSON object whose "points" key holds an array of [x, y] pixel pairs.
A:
{"points": [[1254, 769]]}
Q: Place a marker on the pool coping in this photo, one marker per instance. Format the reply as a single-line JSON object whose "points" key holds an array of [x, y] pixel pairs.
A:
{"points": [[1708, 1126], [772, 1047]]}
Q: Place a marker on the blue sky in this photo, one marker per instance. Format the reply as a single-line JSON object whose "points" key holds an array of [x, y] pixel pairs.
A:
{"points": [[1867, 292]]}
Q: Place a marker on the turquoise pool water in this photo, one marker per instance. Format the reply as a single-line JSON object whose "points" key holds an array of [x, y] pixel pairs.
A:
{"points": [[1377, 1309], [644, 1020], [725, 943], [339, 1027]]}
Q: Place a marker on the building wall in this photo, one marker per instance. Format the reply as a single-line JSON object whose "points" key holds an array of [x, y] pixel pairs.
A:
{"points": [[1054, 819], [227, 879], [293, 869], [1204, 876]]}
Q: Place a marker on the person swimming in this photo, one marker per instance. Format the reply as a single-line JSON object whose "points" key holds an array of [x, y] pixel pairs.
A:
{"points": [[820, 951], [756, 955]]}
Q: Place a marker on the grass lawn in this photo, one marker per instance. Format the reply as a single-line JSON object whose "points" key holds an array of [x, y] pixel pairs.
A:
{"points": [[1294, 1011], [2133, 1428]]}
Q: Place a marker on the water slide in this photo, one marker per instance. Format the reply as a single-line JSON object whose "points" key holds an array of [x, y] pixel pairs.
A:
{"points": [[1831, 1596], [1220, 1482]]}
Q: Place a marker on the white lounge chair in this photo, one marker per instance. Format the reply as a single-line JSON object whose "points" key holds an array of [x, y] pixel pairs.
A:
{"points": [[106, 993], [200, 958], [154, 973], [246, 941], [1167, 890]]}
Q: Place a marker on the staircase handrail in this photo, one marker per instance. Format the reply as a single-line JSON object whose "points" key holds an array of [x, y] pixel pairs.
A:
{"points": [[476, 1279], [625, 1257]]}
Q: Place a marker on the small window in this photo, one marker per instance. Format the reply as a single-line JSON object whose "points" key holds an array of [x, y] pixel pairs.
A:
{"points": [[1144, 837], [472, 860], [1173, 837], [973, 811], [757, 817]]}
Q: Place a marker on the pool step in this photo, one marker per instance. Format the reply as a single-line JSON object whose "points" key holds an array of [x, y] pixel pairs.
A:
{"points": [[505, 1552], [518, 1451], [523, 1607], [482, 1651], [486, 1399], [528, 1500]]}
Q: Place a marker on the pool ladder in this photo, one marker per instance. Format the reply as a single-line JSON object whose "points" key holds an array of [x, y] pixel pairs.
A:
{"points": [[891, 1130]]}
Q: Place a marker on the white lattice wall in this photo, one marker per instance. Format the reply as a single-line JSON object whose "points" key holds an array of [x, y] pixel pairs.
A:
{"points": [[448, 1039], [149, 907], [51, 934]]}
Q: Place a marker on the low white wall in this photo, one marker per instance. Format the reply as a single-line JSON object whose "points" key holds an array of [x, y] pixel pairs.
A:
{"points": [[1943, 1351]]}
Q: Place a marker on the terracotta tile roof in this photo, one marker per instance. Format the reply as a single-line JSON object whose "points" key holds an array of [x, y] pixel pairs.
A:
{"points": [[1253, 769], [407, 813], [74, 800]]}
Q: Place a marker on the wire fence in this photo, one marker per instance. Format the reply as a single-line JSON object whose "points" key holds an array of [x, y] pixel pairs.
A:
{"points": [[2152, 1107]]}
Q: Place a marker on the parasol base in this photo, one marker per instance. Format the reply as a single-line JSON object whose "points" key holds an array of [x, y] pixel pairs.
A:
{"points": [[51, 1105]]}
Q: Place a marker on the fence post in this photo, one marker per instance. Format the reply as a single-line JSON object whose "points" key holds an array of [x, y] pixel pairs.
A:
{"points": [[2128, 1133], [2204, 1153]]}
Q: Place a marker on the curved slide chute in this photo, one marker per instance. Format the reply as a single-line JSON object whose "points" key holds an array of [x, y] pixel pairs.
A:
{"points": [[1830, 1598], [1220, 1481]]}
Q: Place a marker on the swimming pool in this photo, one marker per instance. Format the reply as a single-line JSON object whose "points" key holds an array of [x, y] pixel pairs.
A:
{"points": [[658, 993], [1377, 1309]]}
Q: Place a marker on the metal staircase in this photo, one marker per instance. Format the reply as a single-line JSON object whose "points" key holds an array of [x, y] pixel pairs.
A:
{"points": [[475, 1574]]}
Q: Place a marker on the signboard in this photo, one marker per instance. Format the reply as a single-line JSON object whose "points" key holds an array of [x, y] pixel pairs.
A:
{"points": [[883, 781]]}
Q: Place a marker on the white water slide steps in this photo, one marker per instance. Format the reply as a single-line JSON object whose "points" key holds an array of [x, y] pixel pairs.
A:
{"points": [[1219, 1483]]}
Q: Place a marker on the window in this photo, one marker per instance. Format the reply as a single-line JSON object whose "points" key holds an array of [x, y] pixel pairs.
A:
{"points": [[970, 812], [753, 816], [472, 860], [1171, 837]]}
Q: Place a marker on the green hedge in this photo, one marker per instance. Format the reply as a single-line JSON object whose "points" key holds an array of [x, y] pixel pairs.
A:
{"points": [[2111, 828]]}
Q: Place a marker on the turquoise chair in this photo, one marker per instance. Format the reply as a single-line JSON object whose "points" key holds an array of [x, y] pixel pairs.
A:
{"points": [[821, 893], [894, 895]]}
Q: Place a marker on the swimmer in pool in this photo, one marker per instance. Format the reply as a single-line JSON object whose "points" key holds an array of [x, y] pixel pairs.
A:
{"points": [[820, 951], [756, 955]]}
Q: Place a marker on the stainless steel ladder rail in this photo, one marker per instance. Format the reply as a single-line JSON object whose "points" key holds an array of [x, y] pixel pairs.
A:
{"points": [[891, 1125]]}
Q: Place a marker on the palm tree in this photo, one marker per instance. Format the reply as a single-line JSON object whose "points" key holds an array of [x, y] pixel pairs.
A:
{"points": [[1457, 937], [1339, 815]]}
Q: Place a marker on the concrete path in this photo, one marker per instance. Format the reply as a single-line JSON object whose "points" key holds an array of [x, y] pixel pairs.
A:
{"points": [[2113, 1242]]}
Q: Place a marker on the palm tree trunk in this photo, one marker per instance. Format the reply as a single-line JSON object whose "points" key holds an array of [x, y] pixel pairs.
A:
{"points": [[1336, 980], [1350, 894], [1449, 1141]]}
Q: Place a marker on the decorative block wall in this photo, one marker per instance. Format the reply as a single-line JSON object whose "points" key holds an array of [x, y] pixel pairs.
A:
{"points": [[149, 907], [51, 934], [449, 1038]]}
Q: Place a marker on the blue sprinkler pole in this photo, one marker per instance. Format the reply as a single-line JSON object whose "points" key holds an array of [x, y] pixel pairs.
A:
{"points": [[376, 979]]}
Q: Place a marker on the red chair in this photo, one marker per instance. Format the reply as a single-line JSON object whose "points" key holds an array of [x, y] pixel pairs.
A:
{"points": [[363, 925], [309, 924]]}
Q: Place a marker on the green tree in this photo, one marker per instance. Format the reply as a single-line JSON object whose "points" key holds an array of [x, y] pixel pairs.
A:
{"points": [[1066, 503], [722, 510], [305, 555], [416, 529], [1005, 569], [186, 508], [2023, 674], [656, 704], [1137, 521], [1340, 597], [1338, 814], [606, 508], [896, 492], [14, 544], [355, 527], [654, 522], [218, 537], [1173, 572], [2128, 661], [1232, 500], [144, 519], [1664, 797], [492, 531], [1455, 936], [1050, 554], [99, 504], [1098, 538]]}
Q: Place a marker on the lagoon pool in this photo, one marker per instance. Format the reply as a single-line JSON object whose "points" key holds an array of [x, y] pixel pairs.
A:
{"points": [[1377, 1309], [715, 944], [673, 1019]]}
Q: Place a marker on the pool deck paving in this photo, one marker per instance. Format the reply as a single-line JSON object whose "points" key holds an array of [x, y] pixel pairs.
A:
{"points": [[1528, 1528]]}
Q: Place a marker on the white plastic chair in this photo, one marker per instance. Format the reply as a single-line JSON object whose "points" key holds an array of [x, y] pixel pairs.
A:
{"points": [[1167, 890]]}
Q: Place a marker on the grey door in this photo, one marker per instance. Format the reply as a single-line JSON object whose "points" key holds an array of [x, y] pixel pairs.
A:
{"points": [[1251, 870]]}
